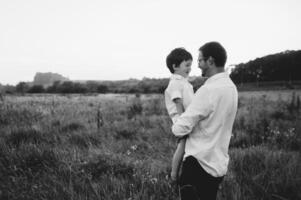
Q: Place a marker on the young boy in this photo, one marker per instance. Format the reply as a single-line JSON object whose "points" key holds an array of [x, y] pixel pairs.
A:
{"points": [[178, 96]]}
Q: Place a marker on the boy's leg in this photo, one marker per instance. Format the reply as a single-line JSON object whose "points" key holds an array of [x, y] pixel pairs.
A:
{"points": [[177, 159], [196, 183]]}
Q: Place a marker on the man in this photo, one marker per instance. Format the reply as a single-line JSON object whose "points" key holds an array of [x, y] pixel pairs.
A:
{"points": [[208, 122]]}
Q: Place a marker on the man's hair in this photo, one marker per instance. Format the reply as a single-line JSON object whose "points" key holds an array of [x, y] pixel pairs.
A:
{"points": [[216, 51], [176, 57]]}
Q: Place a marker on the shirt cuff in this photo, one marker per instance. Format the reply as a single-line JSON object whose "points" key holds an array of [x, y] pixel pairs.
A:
{"points": [[175, 118], [180, 131]]}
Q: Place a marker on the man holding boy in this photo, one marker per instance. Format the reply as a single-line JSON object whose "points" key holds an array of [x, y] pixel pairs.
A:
{"points": [[208, 122]]}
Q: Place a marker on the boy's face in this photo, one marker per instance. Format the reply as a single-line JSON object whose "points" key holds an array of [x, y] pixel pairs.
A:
{"points": [[184, 68]]}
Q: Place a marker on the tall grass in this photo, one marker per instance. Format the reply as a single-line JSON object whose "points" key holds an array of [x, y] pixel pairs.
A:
{"points": [[52, 147]]}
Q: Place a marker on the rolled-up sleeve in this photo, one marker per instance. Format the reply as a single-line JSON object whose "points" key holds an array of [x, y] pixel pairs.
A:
{"points": [[175, 90], [199, 109]]}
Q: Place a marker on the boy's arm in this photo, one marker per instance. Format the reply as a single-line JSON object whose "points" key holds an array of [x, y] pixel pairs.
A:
{"points": [[180, 110], [179, 105]]}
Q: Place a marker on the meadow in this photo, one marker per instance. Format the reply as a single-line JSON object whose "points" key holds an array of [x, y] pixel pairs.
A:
{"points": [[115, 146]]}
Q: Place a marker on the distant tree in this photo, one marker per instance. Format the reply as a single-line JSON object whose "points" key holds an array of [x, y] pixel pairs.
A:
{"points": [[145, 88], [92, 86], [22, 87], [161, 89], [79, 88], [36, 89], [54, 88], [102, 88], [9, 89], [66, 87], [133, 90]]}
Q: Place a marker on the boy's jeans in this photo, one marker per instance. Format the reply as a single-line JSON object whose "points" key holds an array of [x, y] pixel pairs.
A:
{"points": [[196, 183]]}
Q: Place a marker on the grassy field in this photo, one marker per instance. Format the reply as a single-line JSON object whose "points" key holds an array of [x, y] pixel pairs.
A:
{"points": [[114, 146]]}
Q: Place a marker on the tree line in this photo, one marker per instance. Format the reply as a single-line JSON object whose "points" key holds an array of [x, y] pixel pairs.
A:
{"points": [[269, 71], [284, 66], [145, 86]]}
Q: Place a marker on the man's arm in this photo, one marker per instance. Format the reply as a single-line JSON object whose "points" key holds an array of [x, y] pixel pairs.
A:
{"points": [[199, 109]]}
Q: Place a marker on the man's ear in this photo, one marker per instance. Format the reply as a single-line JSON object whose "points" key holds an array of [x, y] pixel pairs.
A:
{"points": [[211, 61], [174, 67]]}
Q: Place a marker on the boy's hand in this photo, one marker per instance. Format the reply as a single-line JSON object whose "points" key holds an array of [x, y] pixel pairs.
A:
{"points": [[173, 176]]}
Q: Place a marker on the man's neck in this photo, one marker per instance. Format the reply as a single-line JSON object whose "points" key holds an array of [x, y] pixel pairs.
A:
{"points": [[214, 71]]}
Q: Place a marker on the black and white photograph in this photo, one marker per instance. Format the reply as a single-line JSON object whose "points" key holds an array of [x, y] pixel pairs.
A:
{"points": [[150, 100]]}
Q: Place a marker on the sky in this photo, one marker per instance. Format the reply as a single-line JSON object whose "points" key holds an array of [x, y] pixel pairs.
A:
{"points": [[122, 39]]}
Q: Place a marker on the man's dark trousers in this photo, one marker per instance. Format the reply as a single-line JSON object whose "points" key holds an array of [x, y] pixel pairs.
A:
{"points": [[195, 183]]}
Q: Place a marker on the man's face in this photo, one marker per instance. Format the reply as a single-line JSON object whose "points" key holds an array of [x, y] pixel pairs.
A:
{"points": [[184, 68], [203, 64]]}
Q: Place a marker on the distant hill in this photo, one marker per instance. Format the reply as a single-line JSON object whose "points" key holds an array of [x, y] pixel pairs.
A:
{"points": [[47, 79]]}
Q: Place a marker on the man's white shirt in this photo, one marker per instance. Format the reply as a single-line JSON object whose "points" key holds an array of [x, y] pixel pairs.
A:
{"points": [[178, 87], [209, 120]]}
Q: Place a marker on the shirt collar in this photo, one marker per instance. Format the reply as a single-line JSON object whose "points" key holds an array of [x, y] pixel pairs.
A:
{"points": [[216, 77], [178, 77]]}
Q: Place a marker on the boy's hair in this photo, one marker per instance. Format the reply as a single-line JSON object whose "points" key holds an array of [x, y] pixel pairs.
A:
{"points": [[176, 57], [216, 51]]}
